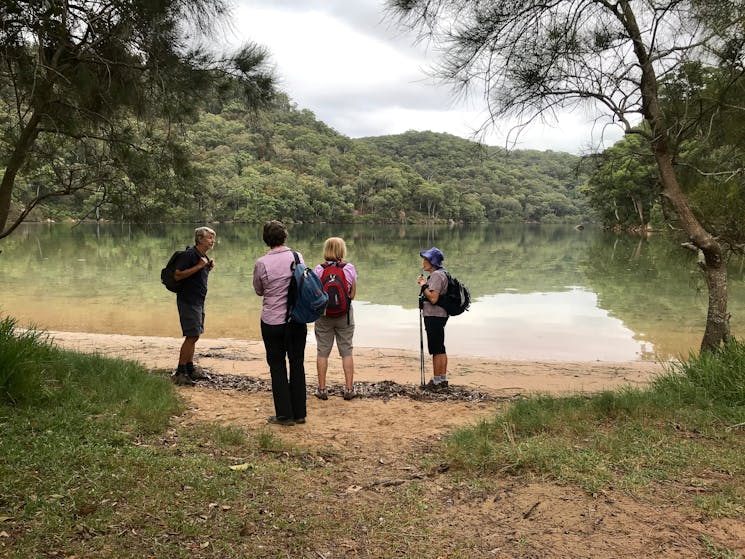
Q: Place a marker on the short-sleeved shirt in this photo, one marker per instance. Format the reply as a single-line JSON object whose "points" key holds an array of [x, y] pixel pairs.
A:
{"points": [[271, 280], [194, 288], [350, 273], [437, 281]]}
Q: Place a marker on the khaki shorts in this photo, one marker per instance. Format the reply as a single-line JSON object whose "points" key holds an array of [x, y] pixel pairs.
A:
{"points": [[329, 329]]}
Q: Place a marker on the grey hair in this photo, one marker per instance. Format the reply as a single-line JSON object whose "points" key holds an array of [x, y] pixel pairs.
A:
{"points": [[200, 232]]}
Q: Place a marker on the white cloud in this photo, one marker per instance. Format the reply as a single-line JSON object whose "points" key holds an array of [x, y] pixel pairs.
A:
{"points": [[363, 77]]}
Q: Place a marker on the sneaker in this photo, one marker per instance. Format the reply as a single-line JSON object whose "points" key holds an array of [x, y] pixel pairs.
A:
{"points": [[349, 394], [299, 420], [322, 394], [274, 420], [198, 374], [183, 379]]}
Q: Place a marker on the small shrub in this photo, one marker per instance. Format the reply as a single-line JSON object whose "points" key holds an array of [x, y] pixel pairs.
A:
{"points": [[25, 356]]}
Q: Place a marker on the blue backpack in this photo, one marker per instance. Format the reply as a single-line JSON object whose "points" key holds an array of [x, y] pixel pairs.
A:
{"points": [[306, 299]]}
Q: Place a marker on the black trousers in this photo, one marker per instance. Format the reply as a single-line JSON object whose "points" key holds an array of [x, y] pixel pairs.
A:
{"points": [[286, 343]]}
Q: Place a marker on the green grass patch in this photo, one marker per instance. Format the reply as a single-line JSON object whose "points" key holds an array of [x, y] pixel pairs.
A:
{"points": [[34, 373], [716, 552], [92, 465], [688, 425]]}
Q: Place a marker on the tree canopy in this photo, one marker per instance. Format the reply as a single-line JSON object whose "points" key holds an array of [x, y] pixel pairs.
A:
{"points": [[92, 93]]}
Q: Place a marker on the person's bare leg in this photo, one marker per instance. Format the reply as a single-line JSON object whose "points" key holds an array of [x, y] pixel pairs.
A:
{"points": [[186, 354], [322, 365], [347, 364], [440, 364]]}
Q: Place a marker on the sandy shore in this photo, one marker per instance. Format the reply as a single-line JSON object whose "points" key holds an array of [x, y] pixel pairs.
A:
{"points": [[246, 357]]}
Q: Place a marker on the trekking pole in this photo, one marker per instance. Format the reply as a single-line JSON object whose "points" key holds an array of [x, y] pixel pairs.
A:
{"points": [[421, 346]]}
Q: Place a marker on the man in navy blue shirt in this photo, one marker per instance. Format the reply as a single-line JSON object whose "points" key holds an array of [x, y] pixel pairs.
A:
{"points": [[193, 270]]}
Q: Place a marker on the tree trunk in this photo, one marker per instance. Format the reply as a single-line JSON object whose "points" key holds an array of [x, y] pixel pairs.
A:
{"points": [[15, 162], [715, 268], [717, 318], [713, 265]]}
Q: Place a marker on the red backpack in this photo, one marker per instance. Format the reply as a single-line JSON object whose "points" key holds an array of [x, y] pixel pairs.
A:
{"points": [[334, 283]]}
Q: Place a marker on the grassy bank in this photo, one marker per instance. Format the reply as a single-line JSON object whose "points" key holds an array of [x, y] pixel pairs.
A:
{"points": [[95, 463], [683, 436]]}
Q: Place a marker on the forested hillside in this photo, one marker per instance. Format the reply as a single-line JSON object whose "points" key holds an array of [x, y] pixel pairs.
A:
{"points": [[284, 163], [488, 183]]}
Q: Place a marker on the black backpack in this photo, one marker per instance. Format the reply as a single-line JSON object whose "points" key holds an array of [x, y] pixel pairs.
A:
{"points": [[167, 274], [456, 299]]}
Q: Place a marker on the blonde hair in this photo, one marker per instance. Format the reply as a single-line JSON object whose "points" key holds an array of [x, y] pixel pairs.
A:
{"points": [[334, 249], [201, 232]]}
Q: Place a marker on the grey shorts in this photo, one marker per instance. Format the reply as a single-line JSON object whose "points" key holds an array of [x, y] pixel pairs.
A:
{"points": [[191, 317], [329, 329]]}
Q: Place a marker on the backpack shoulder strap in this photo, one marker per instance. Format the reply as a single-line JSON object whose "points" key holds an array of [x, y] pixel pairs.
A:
{"points": [[292, 286], [338, 264]]}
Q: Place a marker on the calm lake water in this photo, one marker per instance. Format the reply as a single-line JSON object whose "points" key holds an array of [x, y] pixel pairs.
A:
{"points": [[539, 292]]}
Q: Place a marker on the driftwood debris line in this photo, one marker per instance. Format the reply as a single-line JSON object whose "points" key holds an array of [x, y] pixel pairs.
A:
{"points": [[381, 390]]}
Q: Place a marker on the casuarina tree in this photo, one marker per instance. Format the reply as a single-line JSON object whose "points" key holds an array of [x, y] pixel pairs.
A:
{"points": [[91, 93], [532, 58]]}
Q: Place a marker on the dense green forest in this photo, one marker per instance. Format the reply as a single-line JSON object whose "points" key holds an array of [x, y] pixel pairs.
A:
{"points": [[704, 107], [284, 163]]}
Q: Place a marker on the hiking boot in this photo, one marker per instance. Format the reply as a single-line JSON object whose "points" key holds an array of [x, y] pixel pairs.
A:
{"points": [[322, 394], [433, 386], [183, 379], [198, 374], [274, 420]]}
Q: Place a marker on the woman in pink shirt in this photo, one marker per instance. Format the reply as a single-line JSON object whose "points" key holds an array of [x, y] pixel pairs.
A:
{"points": [[284, 341]]}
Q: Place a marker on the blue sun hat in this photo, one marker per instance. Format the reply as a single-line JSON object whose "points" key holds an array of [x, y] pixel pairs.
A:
{"points": [[434, 255]]}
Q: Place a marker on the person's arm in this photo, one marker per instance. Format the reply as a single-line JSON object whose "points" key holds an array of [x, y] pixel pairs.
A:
{"points": [[438, 281], [258, 273], [350, 275], [431, 295], [179, 275]]}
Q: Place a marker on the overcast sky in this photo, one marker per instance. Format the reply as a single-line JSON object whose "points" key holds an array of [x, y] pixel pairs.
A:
{"points": [[364, 76]]}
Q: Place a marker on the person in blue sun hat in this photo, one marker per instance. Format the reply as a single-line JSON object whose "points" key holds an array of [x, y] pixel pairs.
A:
{"points": [[435, 317]]}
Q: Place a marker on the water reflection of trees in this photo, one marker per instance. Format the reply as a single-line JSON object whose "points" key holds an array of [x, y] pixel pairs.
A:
{"points": [[656, 288], [652, 285], [490, 259]]}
